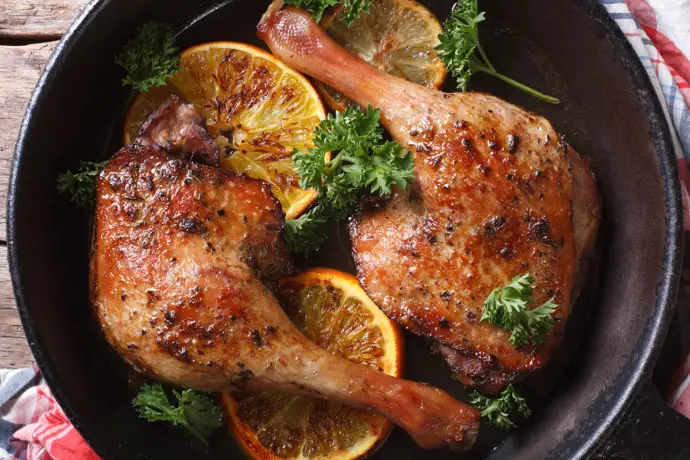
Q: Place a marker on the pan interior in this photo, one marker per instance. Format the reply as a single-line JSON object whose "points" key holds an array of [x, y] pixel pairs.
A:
{"points": [[566, 47]]}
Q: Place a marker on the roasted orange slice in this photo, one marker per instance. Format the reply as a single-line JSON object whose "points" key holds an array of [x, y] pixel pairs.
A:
{"points": [[333, 311], [258, 109], [397, 36]]}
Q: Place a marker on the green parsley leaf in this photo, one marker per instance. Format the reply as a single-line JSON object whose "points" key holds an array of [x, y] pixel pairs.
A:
{"points": [[81, 185], [460, 50], [310, 167], [153, 405], [387, 167], [352, 9], [500, 412], [307, 232], [315, 7], [362, 162], [506, 307], [339, 197], [194, 410], [202, 413], [150, 57]]}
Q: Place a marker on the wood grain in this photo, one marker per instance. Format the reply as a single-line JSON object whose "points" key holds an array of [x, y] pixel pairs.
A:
{"points": [[20, 68], [14, 351], [36, 19]]}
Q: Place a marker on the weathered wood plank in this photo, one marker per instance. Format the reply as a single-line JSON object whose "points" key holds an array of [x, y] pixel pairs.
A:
{"points": [[20, 68], [14, 350], [37, 19]]}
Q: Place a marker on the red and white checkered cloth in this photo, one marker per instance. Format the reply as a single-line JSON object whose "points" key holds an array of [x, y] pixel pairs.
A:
{"points": [[659, 30], [32, 425]]}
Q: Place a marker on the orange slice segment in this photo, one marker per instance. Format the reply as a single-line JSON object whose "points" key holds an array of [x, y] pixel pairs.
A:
{"points": [[397, 36], [258, 109], [333, 311]]}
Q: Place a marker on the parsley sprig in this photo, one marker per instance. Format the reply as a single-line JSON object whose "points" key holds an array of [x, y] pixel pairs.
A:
{"points": [[500, 412], [195, 411], [150, 57], [506, 307], [463, 55], [307, 232], [362, 162], [352, 9], [81, 185]]}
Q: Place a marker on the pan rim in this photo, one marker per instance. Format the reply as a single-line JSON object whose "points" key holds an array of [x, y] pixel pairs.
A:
{"points": [[649, 341], [36, 344], [655, 331]]}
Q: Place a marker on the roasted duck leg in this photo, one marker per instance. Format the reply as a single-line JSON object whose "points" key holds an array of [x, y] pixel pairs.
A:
{"points": [[498, 193], [184, 259]]}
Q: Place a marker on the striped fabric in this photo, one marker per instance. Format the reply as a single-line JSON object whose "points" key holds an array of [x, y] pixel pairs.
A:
{"points": [[648, 24], [32, 425], [659, 30]]}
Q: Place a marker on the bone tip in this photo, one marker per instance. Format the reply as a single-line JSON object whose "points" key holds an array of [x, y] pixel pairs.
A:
{"points": [[276, 5], [468, 440], [464, 436], [464, 445]]}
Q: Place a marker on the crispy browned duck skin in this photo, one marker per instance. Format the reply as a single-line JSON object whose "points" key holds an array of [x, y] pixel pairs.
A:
{"points": [[183, 260], [497, 194]]}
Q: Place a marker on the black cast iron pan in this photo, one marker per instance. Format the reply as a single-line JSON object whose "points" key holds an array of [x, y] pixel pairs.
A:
{"points": [[596, 385]]}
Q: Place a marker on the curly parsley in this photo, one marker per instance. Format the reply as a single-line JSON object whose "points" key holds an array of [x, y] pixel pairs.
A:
{"points": [[352, 9], [500, 412], [195, 411], [81, 185], [506, 307], [307, 232], [463, 55], [150, 57], [362, 162]]}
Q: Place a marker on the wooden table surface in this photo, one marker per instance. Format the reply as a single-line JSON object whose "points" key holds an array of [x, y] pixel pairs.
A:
{"points": [[29, 30]]}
